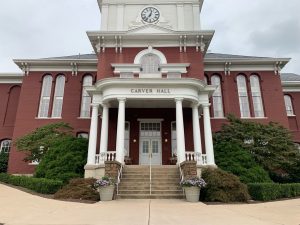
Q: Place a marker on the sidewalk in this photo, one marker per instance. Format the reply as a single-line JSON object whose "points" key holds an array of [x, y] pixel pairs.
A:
{"points": [[19, 208]]}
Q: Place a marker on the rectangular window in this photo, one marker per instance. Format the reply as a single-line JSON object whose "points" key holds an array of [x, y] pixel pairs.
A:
{"points": [[58, 97]]}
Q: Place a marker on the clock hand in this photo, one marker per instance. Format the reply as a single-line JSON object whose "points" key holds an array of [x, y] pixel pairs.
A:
{"points": [[150, 14]]}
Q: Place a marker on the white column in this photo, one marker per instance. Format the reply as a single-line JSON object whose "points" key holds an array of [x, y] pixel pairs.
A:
{"points": [[180, 131], [120, 131], [196, 134], [104, 133], [208, 135], [93, 135]]}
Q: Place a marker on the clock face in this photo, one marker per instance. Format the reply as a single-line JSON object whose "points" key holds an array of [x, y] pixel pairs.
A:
{"points": [[150, 15]]}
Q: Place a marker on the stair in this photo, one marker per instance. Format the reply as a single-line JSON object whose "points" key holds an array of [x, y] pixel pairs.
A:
{"points": [[135, 183]]}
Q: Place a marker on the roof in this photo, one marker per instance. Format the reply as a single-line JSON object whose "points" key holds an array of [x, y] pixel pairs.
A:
{"points": [[290, 77], [73, 57], [229, 56], [207, 56]]}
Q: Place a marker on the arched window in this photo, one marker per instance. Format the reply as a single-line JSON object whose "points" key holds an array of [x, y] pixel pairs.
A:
{"points": [[58, 96], [45, 96], [256, 96], [288, 105], [5, 146], [243, 96], [217, 97], [150, 64], [86, 100]]}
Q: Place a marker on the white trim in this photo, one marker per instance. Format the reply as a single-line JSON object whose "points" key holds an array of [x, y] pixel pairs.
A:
{"points": [[138, 57]]}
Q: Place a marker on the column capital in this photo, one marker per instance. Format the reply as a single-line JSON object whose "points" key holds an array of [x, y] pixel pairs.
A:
{"points": [[94, 105], [195, 105], [206, 105], [121, 99], [178, 99], [105, 104]]}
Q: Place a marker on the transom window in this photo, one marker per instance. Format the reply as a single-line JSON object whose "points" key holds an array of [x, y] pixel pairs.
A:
{"points": [[289, 105], [150, 130], [150, 64], [5, 146], [243, 96], [217, 97], [256, 96]]}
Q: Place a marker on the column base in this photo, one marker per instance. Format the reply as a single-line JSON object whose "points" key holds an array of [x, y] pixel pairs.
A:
{"points": [[94, 171]]}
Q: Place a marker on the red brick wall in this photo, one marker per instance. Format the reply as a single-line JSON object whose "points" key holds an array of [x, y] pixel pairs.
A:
{"points": [[172, 54], [271, 93], [9, 99], [26, 120]]}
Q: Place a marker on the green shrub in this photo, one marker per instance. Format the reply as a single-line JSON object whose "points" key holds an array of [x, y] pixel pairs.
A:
{"points": [[272, 191], [80, 189], [223, 187], [39, 185], [3, 162], [64, 160], [234, 159]]}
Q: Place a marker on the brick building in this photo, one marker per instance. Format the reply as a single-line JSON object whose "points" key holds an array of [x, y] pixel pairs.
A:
{"points": [[151, 88]]}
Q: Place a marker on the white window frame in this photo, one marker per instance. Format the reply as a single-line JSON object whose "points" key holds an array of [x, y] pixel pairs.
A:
{"points": [[5, 148], [45, 97], [289, 105], [58, 96], [86, 100], [243, 96], [257, 101], [83, 135], [217, 97]]}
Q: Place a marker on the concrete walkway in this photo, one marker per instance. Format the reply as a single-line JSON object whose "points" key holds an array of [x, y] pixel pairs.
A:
{"points": [[19, 208]]}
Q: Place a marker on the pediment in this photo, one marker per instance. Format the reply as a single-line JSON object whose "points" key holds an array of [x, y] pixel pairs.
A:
{"points": [[150, 29]]}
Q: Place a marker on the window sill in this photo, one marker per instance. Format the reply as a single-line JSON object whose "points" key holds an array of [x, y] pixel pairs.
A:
{"points": [[84, 118], [292, 116]]}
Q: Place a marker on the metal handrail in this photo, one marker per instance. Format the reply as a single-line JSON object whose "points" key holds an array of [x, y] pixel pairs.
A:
{"points": [[120, 171]]}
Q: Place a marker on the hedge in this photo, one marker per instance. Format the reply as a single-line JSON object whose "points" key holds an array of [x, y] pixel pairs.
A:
{"points": [[273, 191], [39, 185]]}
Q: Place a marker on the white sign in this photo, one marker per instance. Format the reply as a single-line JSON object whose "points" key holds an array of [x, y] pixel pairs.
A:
{"points": [[150, 91]]}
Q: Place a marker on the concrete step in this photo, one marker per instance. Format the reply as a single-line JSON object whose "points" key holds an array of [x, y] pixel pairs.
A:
{"points": [[156, 176], [135, 181], [143, 196], [147, 186], [160, 192]]}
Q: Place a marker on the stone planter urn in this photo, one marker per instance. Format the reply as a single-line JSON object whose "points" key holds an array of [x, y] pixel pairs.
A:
{"points": [[192, 194], [106, 193]]}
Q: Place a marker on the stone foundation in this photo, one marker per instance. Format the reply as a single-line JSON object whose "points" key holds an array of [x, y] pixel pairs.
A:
{"points": [[94, 171]]}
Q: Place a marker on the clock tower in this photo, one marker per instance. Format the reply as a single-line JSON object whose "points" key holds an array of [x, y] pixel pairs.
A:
{"points": [[123, 15]]}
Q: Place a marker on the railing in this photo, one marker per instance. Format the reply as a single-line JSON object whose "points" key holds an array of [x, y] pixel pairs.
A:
{"points": [[200, 158], [120, 171], [105, 156]]}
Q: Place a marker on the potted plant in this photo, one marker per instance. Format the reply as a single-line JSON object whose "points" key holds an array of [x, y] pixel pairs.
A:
{"points": [[192, 188], [106, 188]]}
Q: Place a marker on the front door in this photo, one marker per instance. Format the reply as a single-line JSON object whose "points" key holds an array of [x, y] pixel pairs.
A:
{"points": [[150, 143]]}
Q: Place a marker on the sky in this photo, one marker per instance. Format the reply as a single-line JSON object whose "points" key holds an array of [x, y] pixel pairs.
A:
{"points": [[44, 28]]}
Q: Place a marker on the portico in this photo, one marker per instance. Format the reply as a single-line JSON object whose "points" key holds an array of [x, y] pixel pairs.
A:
{"points": [[144, 96]]}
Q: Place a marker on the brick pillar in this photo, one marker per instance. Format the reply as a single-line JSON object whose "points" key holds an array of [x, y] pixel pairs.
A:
{"points": [[189, 169], [112, 168]]}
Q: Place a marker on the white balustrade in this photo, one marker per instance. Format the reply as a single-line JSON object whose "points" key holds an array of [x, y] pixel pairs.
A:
{"points": [[100, 159], [200, 158]]}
